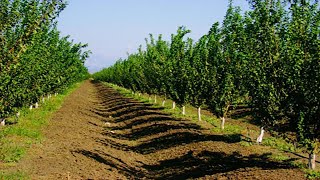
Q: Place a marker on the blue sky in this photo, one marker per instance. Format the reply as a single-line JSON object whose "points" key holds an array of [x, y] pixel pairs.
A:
{"points": [[114, 27]]}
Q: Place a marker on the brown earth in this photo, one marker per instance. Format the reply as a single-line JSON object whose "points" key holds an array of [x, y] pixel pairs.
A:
{"points": [[99, 134]]}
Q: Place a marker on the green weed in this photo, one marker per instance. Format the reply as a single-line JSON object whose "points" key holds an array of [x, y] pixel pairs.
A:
{"points": [[13, 176], [312, 174], [17, 137], [279, 144]]}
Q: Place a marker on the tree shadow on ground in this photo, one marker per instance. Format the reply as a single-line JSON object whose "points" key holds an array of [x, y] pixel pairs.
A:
{"points": [[189, 165], [240, 113], [174, 139], [129, 171], [209, 163], [147, 118], [148, 131], [154, 128]]}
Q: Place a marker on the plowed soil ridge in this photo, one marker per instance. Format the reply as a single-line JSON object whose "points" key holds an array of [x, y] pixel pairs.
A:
{"points": [[100, 134]]}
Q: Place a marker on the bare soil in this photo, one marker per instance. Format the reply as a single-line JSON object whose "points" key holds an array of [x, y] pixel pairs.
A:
{"points": [[99, 134]]}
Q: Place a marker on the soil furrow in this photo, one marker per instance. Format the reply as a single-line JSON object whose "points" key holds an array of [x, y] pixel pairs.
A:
{"points": [[100, 134]]}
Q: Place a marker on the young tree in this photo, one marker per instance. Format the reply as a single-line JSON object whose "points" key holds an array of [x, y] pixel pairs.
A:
{"points": [[199, 72], [302, 74], [263, 49], [177, 68]]}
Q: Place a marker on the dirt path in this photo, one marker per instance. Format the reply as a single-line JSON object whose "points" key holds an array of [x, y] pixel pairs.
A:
{"points": [[99, 134]]}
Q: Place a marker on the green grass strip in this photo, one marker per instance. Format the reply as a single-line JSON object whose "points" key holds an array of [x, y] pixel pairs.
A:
{"points": [[16, 138]]}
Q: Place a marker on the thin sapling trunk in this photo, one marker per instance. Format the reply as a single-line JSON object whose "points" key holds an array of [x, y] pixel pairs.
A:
{"points": [[199, 113], [163, 102], [260, 138], [2, 122], [224, 114], [155, 99], [173, 105], [183, 110], [312, 161], [17, 116], [223, 120]]}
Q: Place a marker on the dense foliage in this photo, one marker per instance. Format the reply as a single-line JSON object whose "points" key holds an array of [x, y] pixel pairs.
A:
{"points": [[267, 58], [34, 59]]}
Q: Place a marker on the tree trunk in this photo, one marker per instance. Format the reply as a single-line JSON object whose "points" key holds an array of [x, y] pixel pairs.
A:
{"points": [[2, 122], [183, 110], [36, 105], [260, 138], [42, 99], [139, 94], [30, 107], [149, 98], [155, 99], [223, 120], [199, 113], [312, 161], [16, 119], [173, 105], [163, 102]]}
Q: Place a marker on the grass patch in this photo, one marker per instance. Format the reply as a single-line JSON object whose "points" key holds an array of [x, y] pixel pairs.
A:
{"points": [[279, 157], [279, 143], [13, 176], [312, 174], [17, 137]]}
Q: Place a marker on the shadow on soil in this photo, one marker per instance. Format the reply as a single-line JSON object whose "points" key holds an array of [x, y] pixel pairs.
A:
{"points": [[152, 131], [170, 140], [189, 165]]}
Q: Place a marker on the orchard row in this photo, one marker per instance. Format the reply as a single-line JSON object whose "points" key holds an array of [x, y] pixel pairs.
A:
{"points": [[35, 60], [266, 58]]}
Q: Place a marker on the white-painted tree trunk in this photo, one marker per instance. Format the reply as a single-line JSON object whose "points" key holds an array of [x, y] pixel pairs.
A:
{"points": [[173, 105], [36, 105], [183, 110], [30, 107], [199, 113], [312, 161], [223, 120], [17, 116], [42, 99], [260, 138], [155, 99], [163, 102], [2, 122]]}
